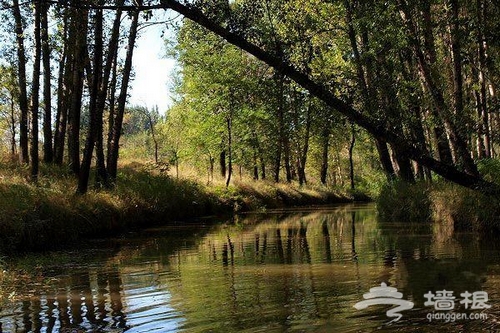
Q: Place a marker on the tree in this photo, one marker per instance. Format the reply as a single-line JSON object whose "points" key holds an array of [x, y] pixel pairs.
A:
{"points": [[35, 91], [47, 95], [372, 125], [115, 133], [21, 73], [95, 114], [9, 92]]}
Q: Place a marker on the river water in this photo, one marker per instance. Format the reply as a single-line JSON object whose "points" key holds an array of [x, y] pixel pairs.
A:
{"points": [[299, 270]]}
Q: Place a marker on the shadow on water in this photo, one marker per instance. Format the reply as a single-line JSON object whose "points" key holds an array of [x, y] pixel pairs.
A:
{"points": [[299, 270]]}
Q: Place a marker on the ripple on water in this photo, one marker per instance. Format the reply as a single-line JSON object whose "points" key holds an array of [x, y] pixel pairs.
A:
{"points": [[295, 272]]}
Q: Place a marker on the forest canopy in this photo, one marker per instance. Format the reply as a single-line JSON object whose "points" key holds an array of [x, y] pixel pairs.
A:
{"points": [[261, 82]]}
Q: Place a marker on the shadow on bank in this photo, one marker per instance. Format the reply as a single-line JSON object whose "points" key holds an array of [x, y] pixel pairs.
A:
{"points": [[49, 215]]}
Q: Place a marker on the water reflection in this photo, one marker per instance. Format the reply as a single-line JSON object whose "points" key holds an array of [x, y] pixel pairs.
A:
{"points": [[295, 271]]}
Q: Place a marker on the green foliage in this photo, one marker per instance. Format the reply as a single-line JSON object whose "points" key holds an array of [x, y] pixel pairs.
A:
{"points": [[490, 169], [401, 201]]}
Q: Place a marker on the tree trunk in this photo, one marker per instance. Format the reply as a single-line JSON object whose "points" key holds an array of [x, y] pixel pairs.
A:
{"points": [[12, 127], [405, 169], [255, 166], [48, 154], [324, 154], [457, 143], [153, 135], [277, 162], [286, 155], [222, 163], [385, 158], [262, 168], [35, 92], [211, 162], [351, 160], [229, 122], [482, 110], [281, 129], [372, 125], [109, 68], [112, 105], [302, 158], [62, 98], [95, 115], [21, 73], [113, 152], [79, 33]]}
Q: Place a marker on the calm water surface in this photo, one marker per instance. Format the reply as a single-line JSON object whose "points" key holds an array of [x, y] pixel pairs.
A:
{"points": [[288, 271]]}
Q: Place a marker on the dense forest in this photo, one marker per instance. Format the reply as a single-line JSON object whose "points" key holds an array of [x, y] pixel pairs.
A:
{"points": [[279, 90]]}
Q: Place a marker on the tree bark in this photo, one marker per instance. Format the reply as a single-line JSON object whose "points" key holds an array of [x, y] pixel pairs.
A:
{"points": [[21, 73], [302, 158], [35, 92], [94, 112], [48, 154], [113, 152], [222, 163], [325, 145], [484, 136], [104, 86], [351, 160], [78, 31], [12, 127], [62, 98], [229, 121], [112, 104]]}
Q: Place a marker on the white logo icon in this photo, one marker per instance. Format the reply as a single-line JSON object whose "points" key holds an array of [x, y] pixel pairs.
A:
{"points": [[385, 295]]}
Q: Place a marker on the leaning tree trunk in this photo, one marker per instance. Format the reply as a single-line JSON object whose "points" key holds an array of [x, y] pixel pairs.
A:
{"points": [[374, 126]]}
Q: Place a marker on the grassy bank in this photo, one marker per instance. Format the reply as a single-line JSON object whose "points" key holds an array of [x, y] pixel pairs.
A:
{"points": [[49, 215], [440, 201]]}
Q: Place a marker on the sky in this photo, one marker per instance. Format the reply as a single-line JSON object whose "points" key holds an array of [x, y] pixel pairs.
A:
{"points": [[153, 71]]}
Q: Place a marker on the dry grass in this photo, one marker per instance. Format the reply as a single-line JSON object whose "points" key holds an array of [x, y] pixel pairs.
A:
{"points": [[50, 215]]}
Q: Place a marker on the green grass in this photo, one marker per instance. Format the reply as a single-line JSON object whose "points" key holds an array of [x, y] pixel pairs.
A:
{"points": [[442, 202], [50, 215]]}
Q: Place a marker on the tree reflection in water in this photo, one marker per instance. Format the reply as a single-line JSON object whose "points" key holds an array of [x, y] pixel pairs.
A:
{"points": [[299, 271]]}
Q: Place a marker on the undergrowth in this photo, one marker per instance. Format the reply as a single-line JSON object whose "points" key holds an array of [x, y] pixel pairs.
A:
{"points": [[50, 215], [442, 201]]}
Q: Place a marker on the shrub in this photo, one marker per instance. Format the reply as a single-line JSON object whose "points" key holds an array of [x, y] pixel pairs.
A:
{"points": [[402, 201]]}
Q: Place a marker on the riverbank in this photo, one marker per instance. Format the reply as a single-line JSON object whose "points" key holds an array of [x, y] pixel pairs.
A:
{"points": [[457, 207], [50, 215]]}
